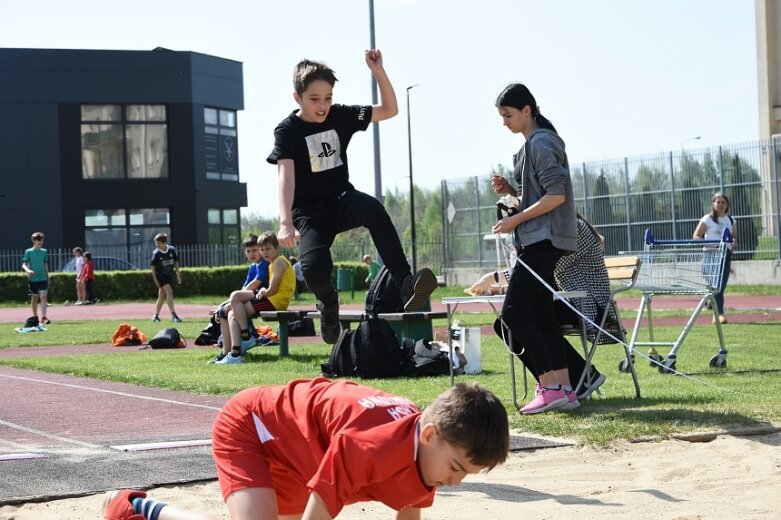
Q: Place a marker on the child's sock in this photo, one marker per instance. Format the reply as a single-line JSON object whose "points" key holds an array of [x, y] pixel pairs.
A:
{"points": [[236, 351], [567, 388], [244, 335], [147, 507]]}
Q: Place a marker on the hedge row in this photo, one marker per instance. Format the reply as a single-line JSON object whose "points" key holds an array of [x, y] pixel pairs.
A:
{"points": [[132, 285]]}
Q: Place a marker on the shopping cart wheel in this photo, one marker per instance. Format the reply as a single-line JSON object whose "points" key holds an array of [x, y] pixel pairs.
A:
{"points": [[718, 361], [655, 357], [668, 367], [624, 366]]}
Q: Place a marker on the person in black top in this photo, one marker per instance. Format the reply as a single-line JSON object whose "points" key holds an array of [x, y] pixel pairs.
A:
{"points": [[316, 199], [165, 264]]}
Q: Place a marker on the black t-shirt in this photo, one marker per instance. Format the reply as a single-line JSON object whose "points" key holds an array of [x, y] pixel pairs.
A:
{"points": [[319, 151], [163, 261]]}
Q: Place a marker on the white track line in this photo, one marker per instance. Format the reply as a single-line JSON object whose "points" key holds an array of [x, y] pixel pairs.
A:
{"points": [[48, 435], [162, 445], [113, 392]]}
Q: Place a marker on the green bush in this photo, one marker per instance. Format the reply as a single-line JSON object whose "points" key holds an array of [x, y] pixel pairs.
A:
{"points": [[134, 285]]}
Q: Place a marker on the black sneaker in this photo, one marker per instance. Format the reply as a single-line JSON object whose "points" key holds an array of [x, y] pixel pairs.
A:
{"points": [[416, 288], [330, 328], [597, 380]]}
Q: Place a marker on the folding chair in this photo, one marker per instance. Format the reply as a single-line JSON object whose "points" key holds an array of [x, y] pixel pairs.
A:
{"points": [[622, 272]]}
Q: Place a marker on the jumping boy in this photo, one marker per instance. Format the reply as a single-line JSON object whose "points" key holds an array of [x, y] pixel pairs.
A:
{"points": [[165, 263], [316, 199], [245, 304], [313, 446], [35, 263]]}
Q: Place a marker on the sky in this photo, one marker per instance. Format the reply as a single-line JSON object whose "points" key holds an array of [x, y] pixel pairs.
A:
{"points": [[617, 78]]}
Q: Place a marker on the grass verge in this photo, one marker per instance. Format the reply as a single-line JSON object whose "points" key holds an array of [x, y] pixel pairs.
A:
{"points": [[747, 393]]}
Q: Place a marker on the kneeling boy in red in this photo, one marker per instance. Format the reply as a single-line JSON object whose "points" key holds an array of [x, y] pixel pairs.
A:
{"points": [[313, 446]]}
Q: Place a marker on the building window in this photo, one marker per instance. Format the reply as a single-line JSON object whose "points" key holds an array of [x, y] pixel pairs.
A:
{"points": [[124, 142], [220, 144], [125, 228], [223, 226]]}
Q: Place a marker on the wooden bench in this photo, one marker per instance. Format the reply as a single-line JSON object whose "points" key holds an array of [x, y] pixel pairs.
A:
{"points": [[284, 318], [403, 323]]}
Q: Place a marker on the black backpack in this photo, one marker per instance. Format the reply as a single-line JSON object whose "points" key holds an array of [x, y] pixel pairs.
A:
{"points": [[371, 351], [303, 327], [383, 295], [167, 338], [427, 358]]}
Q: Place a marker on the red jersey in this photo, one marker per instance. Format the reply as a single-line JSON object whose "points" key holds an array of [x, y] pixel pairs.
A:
{"points": [[88, 271], [348, 443]]}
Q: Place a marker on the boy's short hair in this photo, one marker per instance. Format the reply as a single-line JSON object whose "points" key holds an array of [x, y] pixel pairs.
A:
{"points": [[470, 416], [36, 236], [88, 255], [77, 250], [161, 237], [250, 241], [307, 71], [269, 238]]}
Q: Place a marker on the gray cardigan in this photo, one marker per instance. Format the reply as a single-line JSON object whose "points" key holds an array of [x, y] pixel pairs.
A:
{"points": [[541, 167]]}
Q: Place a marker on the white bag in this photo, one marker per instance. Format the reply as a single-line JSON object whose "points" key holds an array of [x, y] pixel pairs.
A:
{"points": [[470, 345]]}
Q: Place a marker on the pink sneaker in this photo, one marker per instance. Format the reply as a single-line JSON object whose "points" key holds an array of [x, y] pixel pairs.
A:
{"points": [[572, 401], [117, 506], [545, 399]]}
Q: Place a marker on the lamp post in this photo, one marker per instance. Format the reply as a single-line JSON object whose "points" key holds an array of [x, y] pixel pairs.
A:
{"points": [[411, 186], [695, 138], [376, 126]]}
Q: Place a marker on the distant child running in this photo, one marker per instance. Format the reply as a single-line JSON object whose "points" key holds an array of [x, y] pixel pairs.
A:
{"points": [[36, 264], [245, 304], [165, 264], [312, 447], [316, 199]]}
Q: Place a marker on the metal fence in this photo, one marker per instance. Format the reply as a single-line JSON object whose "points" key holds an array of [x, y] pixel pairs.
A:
{"points": [[667, 192], [208, 255]]}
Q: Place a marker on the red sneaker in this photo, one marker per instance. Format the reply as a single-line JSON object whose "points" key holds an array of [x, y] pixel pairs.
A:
{"points": [[117, 506]]}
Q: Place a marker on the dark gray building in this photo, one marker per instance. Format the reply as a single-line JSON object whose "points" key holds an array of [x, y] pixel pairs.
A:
{"points": [[108, 148]]}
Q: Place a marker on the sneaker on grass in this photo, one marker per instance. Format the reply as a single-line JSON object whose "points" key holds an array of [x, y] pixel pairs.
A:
{"points": [[217, 358], [572, 401], [230, 359], [545, 399], [597, 381]]}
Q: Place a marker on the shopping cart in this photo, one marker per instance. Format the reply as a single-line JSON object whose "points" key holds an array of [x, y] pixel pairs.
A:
{"points": [[682, 267]]}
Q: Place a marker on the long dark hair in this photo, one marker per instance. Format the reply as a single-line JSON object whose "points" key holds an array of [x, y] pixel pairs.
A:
{"points": [[518, 95], [713, 214]]}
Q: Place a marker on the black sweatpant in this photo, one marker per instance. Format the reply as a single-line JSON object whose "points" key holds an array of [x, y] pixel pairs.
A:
{"points": [[529, 313], [319, 225]]}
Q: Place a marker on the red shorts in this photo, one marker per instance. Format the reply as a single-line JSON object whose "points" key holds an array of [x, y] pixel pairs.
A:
{"points": [[262, 305], [242, 461]]}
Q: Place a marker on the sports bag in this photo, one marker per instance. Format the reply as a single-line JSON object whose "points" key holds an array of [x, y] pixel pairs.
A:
{"points": [[383, 295], [371, 351], [167, 338]]}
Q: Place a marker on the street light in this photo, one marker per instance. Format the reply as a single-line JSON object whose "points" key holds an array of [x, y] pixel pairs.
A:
{"points": [[376, 126], [695, 138], [411, 186]]}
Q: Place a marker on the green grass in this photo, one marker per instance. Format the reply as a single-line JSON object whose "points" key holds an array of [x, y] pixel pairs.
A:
{"points": [[748, 393]]}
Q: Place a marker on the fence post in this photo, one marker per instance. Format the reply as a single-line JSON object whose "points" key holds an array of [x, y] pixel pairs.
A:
{"points": [[721, 170], [585, 192], [672, 198], [777, 192], [628, 205], [479, 233]]}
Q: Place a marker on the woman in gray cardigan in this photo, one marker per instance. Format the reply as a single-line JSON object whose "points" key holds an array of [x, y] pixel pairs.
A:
{"points": [[545, 229]]}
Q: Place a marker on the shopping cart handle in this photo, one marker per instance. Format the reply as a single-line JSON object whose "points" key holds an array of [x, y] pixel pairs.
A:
{"points": [[650, 240]]}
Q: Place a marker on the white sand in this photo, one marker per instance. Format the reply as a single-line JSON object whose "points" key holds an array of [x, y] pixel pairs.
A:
{"points": [[728, 478]]}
